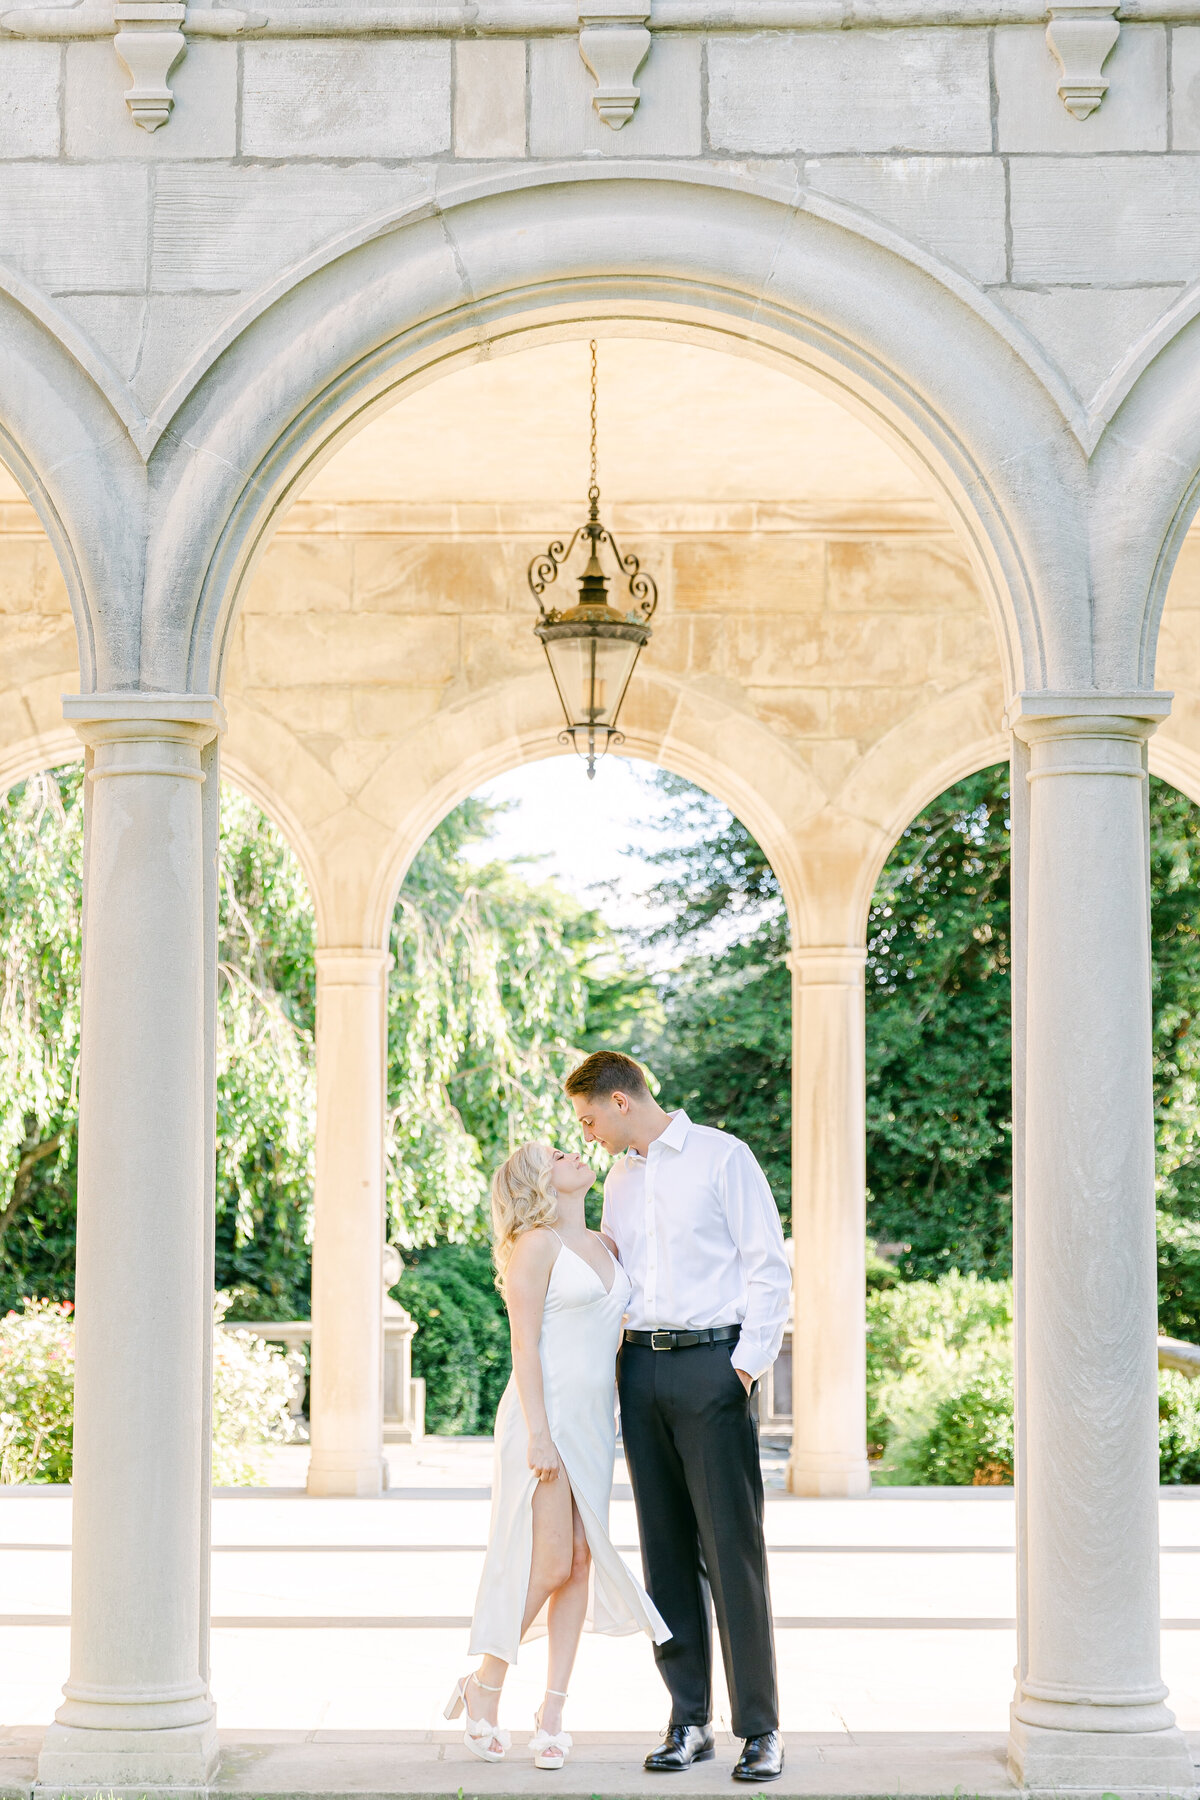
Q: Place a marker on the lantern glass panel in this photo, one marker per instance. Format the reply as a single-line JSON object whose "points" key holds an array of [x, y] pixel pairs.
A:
{"points": [[592, 673]]}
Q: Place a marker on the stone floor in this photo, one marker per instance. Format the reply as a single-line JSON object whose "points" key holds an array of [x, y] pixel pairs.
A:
{"points": [[339, 1626]]}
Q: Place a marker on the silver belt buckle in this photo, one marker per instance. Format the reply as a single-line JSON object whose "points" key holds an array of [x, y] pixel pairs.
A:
{"points": [[661, 1340]]}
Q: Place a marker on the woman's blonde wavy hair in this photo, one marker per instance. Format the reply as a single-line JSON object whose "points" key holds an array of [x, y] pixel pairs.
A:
{"points": [[523, 1198]]}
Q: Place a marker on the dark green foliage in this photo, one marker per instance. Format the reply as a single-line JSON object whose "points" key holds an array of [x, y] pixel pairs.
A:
{"points": [[925, 1339], [466, 1275], [938, 1024], [939, 1078], [39, 1245], [970, 1441], [938, 1075], [462, 1348], [1175, 887], [725, 1057], [443, 1354], [724, 1052]]}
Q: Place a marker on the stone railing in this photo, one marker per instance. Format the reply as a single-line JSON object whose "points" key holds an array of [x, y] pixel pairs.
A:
{"points": [[403, 1394], [1173, 1353]]}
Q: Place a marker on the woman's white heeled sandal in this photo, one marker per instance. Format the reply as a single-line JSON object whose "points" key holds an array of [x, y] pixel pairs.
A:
{"points": [[479, 1734], [550, 1748]]}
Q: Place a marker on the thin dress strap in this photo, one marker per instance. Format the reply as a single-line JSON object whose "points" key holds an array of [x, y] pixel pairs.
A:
{"points": [[554, 1234]]}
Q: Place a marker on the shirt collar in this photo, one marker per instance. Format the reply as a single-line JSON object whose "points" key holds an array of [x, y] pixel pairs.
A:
{"points": [[673, 1138]]}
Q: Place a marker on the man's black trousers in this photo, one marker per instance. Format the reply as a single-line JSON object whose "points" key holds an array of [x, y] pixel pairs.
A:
{"points": [[691, 1443]]}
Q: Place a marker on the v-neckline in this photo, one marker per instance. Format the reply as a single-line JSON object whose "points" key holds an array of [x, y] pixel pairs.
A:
{"points": [[587, 1265]]}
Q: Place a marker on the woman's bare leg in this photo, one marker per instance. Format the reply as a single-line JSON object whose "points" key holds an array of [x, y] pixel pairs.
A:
{"points": [[568, 1610], [550, 1564], [549, 1567]]}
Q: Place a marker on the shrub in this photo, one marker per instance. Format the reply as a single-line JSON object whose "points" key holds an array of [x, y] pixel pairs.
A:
{"points": [[466, 1275], [949, 1408], [252, 1386], [1178, 1427], [37, 1392], [253, 1383], [969, 1442], [927, 1341], [443, 1353]]}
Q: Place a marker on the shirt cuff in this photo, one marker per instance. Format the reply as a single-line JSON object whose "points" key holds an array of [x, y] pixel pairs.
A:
{"points": [[748, 1358]]}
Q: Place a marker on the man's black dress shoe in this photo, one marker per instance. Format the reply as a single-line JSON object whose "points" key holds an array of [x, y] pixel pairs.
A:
{"points": [[682, 1746], [761, 1758]]}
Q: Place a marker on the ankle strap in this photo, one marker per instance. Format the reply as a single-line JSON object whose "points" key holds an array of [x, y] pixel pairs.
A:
{"points": [[483, 1684], [558, 1694]]}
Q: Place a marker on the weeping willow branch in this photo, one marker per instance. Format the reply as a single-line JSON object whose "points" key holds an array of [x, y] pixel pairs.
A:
{"points": [[32, 1155]]}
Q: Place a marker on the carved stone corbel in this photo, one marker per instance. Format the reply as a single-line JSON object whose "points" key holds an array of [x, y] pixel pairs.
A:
{"points": [[149, 43], [614, 43], [1082, 38]]}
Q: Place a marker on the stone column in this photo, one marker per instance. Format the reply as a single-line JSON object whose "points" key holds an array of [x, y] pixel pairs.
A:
{"points": [[1089, 1711], [829, 1381], [346, 1391], [137, 1712]]}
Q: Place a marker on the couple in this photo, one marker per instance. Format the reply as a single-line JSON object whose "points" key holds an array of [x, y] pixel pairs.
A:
{"points": [[688, 1279]]}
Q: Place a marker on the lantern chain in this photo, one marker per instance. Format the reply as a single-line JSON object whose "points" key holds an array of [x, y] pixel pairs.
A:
{"points": [[593, 485]]}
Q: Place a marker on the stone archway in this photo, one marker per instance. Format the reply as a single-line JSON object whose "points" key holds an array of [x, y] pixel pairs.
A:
{"points": [[958, 392]]}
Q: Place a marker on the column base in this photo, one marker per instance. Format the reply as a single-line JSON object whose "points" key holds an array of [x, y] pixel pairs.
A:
{"points": [[828, 1477], [359, 1477], [128, 1763], [1156, 1765]]}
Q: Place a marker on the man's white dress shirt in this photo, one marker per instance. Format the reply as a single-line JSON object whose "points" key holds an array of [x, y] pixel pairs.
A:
{"points": [[700, 1240]]}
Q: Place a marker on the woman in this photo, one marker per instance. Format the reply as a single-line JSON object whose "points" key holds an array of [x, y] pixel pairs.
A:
{"points": [[549, 1553]]}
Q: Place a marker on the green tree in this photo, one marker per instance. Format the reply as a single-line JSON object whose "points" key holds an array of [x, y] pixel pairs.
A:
{"points": [[266, 1092], [1175, 915], [939, 1076], [264, 1050], [498, 985], [41, 849], [723, 1050]]}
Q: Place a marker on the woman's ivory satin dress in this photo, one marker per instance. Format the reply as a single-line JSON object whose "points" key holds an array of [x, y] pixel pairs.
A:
{"points": [[581, 1331]]}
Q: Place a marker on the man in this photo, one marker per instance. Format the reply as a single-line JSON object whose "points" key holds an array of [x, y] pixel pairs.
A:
{"points": [[692, 1216]]}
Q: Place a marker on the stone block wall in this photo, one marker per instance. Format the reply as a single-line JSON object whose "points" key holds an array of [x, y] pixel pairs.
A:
{"points": [[954, 137]]}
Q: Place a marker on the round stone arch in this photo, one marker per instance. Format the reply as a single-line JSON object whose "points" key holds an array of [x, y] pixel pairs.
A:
{"points": [[813, 287], [355, 866], [243, 775], [909, 767], [29, 756], [715, 777]]}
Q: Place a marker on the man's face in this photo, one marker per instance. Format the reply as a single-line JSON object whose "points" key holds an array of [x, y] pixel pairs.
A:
{"points": [[605, 1120]]}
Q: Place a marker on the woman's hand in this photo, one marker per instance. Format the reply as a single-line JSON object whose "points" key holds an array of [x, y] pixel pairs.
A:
{"points": [[543, 1457]]}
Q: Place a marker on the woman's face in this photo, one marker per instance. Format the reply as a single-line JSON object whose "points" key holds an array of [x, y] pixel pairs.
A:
{"points": [[570, 1174]]}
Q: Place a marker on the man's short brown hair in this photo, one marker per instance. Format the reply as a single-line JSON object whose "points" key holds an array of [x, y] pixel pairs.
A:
{"points": [[607, 1072]]}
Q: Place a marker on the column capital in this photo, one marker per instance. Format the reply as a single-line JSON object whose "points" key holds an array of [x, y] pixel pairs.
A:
{"points": [[353, 965], [138, 717], [828, 965], [1037, 718]]}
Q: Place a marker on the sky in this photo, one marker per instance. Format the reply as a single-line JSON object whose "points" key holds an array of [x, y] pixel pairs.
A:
{"points": [[584, 833]]}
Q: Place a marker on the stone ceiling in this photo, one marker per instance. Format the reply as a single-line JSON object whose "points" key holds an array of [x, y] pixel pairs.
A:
{"points": [[677, 424]]}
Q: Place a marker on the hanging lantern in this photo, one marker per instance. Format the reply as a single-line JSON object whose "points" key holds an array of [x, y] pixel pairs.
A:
{"points": [[592, 648]]}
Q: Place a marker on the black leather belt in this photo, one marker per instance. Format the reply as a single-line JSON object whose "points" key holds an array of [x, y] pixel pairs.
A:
{"points": [[683, 1340]]}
